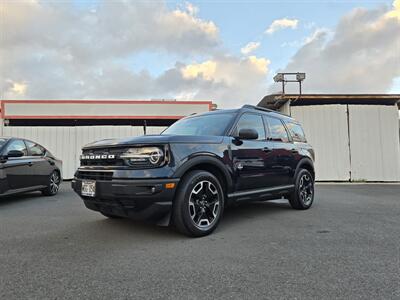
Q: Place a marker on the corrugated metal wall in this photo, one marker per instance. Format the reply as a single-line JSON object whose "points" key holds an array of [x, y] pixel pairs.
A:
{"points": [[66, 142], [326, 130], [374, 140], [370, 153], [374, 143]]}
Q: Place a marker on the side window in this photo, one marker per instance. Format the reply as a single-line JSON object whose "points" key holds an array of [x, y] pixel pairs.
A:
{"points": [[35, 149], [296, 132], [277, 130], [17, 145], [251, 121]]}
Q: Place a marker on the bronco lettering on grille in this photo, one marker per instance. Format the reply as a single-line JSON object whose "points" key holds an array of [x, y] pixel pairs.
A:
{"points": [[98, 156]]}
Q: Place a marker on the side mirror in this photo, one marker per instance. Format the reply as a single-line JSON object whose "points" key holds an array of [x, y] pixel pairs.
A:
{"points": [[248, 134], [15, 153]]}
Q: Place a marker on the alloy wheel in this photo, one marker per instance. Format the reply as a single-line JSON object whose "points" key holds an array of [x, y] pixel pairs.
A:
{"points": [[204, 204], [54, 183], [306, 189]]}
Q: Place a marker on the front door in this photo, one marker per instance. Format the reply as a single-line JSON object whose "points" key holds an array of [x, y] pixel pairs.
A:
{"points": [[252, 158], [16, 170]]}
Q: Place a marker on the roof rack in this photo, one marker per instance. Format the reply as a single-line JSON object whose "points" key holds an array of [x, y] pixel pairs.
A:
{"points": [[248, 106]]}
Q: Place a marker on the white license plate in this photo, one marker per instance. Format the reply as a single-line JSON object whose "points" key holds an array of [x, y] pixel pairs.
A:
{"points": [[88, 188]]}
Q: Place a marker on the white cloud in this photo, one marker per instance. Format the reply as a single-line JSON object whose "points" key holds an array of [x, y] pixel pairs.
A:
{"points": [[282, 24], [395, 12], [308, 39], [250, 47], [362, 55], [55, 51], [223, 69], [229, 80], [206, 70]]}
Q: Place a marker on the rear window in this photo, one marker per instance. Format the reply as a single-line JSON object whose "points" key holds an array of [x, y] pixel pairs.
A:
{"points": [[277, 131], [35, 149], [296, 131]]}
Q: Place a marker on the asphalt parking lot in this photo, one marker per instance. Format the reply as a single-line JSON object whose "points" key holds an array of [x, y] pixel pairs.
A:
{"points": [[347, 246]]}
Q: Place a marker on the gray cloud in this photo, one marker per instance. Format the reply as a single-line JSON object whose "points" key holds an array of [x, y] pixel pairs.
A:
{"points": [[362, 56], [56, 51], [53, 51]]}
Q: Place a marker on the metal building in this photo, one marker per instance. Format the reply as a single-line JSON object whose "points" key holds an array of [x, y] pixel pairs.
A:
{"points": [[356, 137], [65, 126]]}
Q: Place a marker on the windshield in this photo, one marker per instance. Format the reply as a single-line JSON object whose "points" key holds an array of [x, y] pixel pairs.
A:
{"points": [[213, 124]]}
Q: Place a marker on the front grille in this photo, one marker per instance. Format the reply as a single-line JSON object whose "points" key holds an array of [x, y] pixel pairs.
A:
{"points": [[116, 161], [95, 175], [141, 165], [106, 162], [101, 157]]}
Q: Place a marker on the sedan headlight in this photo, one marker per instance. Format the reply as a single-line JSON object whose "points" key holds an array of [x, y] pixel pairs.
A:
{"points": [[144, 156]]}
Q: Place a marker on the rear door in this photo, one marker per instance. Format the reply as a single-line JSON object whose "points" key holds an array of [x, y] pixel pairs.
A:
{"points": [[284, 151], [41, 166], [251, 158], [17, 169]]}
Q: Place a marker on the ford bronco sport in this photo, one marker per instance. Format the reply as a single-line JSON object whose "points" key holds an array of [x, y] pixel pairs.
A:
{"points": [[189, 173]]}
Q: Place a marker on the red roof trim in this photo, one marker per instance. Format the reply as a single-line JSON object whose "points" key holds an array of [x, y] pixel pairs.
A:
{"points": [[96, 117], [106, 102]]}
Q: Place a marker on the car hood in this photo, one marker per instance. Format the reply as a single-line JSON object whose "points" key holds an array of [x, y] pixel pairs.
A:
{"points": [[155, 139]]}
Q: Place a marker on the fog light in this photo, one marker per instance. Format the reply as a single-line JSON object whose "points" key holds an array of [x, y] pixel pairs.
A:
{"points": [[170, 185]]}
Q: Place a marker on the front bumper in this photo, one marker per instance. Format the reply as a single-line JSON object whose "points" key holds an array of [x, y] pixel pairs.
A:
{"points": [[142, 199]]}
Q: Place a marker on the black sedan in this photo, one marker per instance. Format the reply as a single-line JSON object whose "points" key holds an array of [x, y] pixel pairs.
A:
{"points": [[26, 166]]}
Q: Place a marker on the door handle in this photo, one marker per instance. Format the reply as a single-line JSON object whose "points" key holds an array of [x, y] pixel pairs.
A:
{"points": [[266, 149], [295, 151], [30, 164]]}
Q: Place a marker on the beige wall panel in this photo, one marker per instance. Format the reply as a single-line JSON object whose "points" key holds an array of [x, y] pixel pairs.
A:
{"points": [[375, 148], [326, 130]]}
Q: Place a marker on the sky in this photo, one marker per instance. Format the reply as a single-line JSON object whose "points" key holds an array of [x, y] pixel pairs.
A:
{"points": [[224, 51]]}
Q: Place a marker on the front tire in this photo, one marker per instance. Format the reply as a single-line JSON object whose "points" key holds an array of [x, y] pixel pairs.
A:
{"points": [[303, 195], [53, 184], [199, 204]]}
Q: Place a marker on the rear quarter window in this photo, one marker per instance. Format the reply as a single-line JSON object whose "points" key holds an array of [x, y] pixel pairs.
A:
{"points": [[277, 131], [296, 131]]}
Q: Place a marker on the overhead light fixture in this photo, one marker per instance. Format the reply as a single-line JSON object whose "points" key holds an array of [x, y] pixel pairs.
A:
{"points": [[300, 76], [279, 77], [290, 77]]}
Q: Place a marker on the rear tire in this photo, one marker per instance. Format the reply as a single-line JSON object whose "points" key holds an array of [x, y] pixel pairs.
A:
{"points": [[198, 204], [303, 194], [53, 184]]}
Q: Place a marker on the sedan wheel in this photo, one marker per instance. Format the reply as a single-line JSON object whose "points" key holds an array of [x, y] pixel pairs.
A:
{"points": [[53, 184]]}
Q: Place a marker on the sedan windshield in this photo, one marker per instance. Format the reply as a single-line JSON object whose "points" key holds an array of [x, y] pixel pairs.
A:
{"points": [[213, 124]]}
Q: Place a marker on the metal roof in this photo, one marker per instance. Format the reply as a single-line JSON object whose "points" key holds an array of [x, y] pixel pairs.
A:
{"points": [[98, 112], [275, 101]]}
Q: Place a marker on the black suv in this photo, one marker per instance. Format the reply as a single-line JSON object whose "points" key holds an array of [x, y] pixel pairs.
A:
{"points": [[197, 167]]}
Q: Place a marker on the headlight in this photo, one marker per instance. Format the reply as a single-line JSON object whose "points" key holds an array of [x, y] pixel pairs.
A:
{"points": [[144, 156]]}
